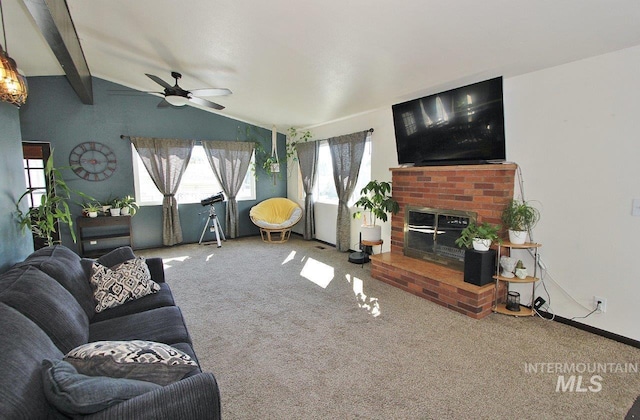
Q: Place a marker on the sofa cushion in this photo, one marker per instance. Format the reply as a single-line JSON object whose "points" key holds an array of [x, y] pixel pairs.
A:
{"points": [[135, 359], [111, 259], [164, 325], [117, 256], [163, 297], [127, 281], [73, 393], [65, 267], [48, 304], [23, 346]]}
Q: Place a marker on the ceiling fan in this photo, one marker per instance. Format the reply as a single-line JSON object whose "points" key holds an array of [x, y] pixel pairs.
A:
{"points": [[176, 96]]}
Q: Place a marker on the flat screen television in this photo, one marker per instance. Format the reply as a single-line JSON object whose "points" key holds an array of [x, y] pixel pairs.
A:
{"points": [[455, 127]]}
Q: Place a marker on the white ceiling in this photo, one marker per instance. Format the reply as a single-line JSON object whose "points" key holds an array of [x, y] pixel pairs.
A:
{"points": [[303, 63]]}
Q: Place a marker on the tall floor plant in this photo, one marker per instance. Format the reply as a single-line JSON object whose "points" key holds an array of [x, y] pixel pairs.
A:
{"points": [[43, 219]]}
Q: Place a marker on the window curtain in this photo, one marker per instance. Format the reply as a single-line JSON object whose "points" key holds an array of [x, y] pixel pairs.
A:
{"points": [[346, 157], [230, 161], [166, 161], [308, 160]]}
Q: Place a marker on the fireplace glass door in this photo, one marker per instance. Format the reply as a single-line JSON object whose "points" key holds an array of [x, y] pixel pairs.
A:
{"points": [[430, 234]]}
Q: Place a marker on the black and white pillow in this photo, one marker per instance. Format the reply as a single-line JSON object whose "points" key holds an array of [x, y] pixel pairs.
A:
{"points": [[136, 359], [124, 282]]}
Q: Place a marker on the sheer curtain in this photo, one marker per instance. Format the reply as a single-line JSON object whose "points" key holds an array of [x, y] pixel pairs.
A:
{"points": [[308, 160], [230, 161], [166, 160], [346, 157]]}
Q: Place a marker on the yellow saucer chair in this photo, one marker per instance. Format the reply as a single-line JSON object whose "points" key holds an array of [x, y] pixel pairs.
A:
{"points": [[275, 217]]}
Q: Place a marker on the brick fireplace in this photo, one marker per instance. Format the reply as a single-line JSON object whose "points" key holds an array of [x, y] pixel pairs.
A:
{"points": [[483, 189]]}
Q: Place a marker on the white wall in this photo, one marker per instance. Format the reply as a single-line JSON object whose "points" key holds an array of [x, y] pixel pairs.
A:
{"points": [[574, 129], [575, 132]]}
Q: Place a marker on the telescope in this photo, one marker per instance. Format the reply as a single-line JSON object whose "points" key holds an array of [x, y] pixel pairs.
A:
{"points": [[213, 199]]}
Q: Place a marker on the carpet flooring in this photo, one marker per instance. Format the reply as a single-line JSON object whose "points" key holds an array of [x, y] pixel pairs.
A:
{"points": [[295, 331]]}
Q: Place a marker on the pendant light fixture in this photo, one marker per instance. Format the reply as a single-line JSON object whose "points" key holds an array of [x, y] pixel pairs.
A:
{"points": [[13, 86]]}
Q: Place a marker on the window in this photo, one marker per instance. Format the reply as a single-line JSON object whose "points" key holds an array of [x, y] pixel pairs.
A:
{"points": [[198, 181], [325, 186], [35, 157]]}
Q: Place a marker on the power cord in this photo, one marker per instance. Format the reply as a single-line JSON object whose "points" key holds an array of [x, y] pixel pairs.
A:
{"points": [[590, 313]]}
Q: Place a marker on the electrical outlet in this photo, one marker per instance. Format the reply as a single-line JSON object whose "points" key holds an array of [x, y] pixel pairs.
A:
{"points": [[603, 303]]}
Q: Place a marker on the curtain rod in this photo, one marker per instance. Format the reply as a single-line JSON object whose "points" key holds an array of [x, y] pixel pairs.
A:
{"points": [[122, 136]]}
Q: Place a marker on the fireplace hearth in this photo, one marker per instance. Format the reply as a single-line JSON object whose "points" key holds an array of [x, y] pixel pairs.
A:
{"points": [[424, 259]]}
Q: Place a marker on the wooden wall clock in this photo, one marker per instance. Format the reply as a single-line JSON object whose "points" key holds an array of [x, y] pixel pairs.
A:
{"points": [[93, 161]]}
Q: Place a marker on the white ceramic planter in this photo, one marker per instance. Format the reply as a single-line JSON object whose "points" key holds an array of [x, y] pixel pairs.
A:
{"points": [[481, 244], [93, 214], [114, 211], [124, 211], [517, 237], [371, 233]]}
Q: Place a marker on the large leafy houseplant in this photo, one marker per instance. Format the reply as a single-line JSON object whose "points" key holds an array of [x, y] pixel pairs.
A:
{"points": [[375, 199], [42, 220]]}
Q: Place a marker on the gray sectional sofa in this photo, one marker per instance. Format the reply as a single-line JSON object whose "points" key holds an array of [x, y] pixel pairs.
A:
{"points": [[47, 308]]}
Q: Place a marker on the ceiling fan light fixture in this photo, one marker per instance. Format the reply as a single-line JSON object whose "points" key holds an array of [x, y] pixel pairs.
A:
{"points": [[176, 100]]}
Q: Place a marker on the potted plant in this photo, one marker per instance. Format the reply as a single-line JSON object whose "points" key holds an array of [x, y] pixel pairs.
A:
{"points": [[43, 219], [128, 206], [115, 207], [519, 217], [521, 270], [91, 209], [480, 237], [375, 199]]}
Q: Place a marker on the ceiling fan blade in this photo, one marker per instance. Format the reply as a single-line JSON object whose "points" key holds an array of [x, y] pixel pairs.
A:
{"points": [[158, 80], [204, 102], [211, 92]]}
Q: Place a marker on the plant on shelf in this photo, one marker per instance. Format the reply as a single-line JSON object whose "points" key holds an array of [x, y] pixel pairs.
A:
{"points": [[521, 270], [480, 237], [91, 208], [519, 217], [128, 206], [42, 220], [375, 198], [115, 206]]}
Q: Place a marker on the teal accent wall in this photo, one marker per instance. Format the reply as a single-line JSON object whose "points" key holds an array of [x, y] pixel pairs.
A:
{"points": [[54, 113], [15, 245]]}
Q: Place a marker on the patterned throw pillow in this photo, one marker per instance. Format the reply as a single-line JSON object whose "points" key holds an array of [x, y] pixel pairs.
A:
{"points": [[121, 283], [143, 360]]}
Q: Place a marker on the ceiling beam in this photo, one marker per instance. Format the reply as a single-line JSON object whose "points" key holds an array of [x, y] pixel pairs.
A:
{"points": [[55, 23]]}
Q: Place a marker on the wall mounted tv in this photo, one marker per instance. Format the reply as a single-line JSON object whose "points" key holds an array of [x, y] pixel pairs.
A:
{"points": [[455, 127]]}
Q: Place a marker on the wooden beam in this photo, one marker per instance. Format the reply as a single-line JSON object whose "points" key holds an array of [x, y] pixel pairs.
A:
{"points": [[55, 23]]}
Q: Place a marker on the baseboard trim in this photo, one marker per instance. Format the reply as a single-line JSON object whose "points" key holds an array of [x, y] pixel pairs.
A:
{"points": [[603, 333]]}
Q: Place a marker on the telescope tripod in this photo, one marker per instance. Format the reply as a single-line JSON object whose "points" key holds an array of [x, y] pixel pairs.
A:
{"points": [[214, 227]]}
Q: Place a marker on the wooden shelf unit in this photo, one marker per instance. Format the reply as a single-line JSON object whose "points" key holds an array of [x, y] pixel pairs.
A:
{"points": [[99, 235], [502, 307]]}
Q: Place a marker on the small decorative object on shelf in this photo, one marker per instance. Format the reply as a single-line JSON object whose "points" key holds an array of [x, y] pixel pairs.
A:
{"points": [[508, 264], [521, 270], [513, 301], [510, 307]]}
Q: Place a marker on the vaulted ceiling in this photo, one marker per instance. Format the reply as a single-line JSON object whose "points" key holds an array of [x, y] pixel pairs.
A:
{"points": [[303, 63]]}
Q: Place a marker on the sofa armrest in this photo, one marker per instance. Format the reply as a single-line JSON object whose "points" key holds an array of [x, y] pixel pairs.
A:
{"points": [[196, 397], [156, 268]]}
